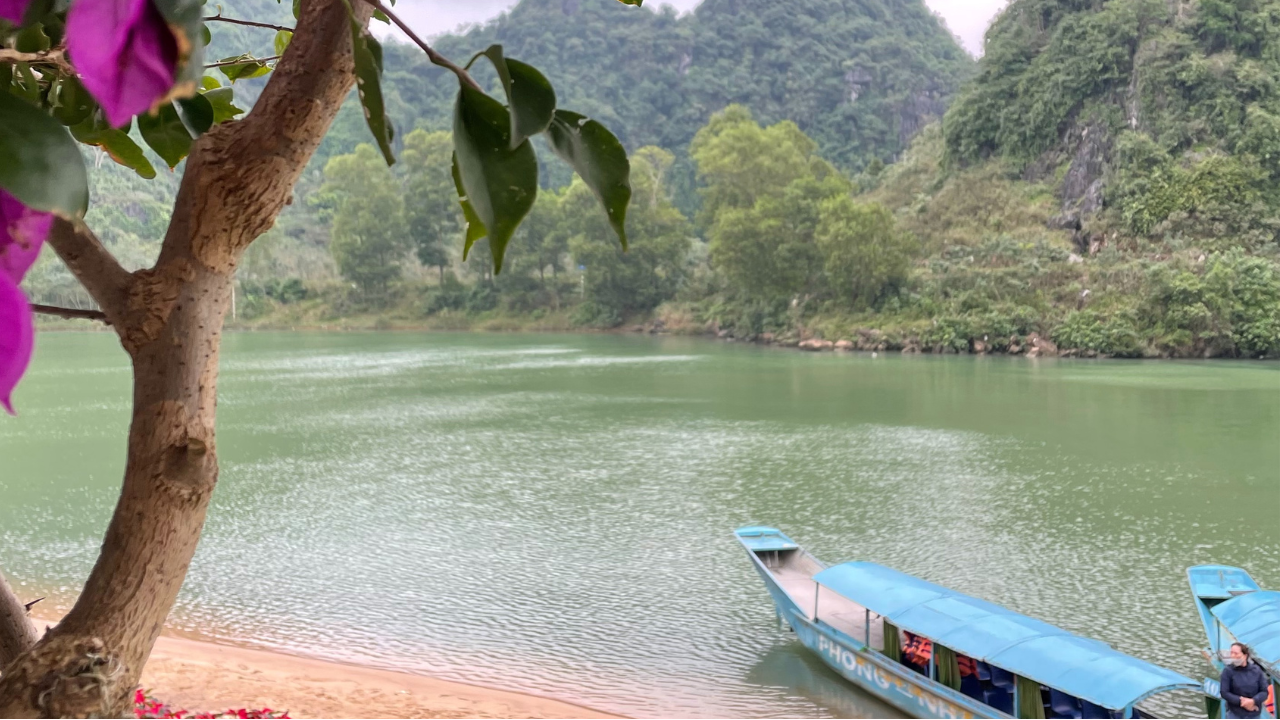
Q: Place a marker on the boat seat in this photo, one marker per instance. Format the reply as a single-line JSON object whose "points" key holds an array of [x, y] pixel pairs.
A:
{"points": [[984, 670], [1064, 705], [1000, 699], [971, 686], [1001, 678], [1089, 710]]}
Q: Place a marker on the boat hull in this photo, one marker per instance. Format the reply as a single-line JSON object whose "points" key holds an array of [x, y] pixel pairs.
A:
{"points": [[914, 694]]}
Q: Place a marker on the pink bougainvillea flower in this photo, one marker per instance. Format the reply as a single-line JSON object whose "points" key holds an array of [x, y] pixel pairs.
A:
{"points": [[17, 339], [22, 232], [126, 54], [12, 10]]}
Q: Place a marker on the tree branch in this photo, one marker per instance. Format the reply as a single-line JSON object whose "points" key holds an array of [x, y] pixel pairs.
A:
{"points": [[93, 265], [435, 57], [239, 175], [250, 23], [242, 61], [17, 632], [56, 56], [70, 313]]}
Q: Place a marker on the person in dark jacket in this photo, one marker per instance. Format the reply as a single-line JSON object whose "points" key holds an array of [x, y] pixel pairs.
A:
{"points": [[1244, 684]]}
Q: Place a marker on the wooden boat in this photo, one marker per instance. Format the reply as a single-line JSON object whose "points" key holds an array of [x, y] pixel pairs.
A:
{"points": [[1017, 666], [1233, 608]]}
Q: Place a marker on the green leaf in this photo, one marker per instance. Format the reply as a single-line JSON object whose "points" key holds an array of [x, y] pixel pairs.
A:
{"points": [[297, 9], [501, 183], [117, 143], [635, 3], [475, 226], [223, 102], [601, 161], [209, 82], [39, 162], [37, 10], [32, 39], [28, 86], [250, 67], [206, 37], [368, 57], [196, 113], [72, 104], [529, 94], [381, 16], [166, 134], [281, 41]]}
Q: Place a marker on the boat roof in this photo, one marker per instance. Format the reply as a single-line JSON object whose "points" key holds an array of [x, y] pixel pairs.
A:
{"points": [[1219, 582], [1079, 666], [1254, 619]]}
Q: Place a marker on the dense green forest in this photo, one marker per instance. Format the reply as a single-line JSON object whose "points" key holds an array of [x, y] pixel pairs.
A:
{"points": [[1104, 180]]}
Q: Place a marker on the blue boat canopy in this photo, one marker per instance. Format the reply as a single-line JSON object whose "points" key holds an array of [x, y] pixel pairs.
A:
{"points": [[1079, 666], [1254, 619]]}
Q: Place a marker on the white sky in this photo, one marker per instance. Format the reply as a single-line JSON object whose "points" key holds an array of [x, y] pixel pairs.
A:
{"points": [[968, 19]]}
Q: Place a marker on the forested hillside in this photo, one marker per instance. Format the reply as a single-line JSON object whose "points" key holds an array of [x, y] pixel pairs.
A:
{"points": [[1106, 183], [859, 76]]}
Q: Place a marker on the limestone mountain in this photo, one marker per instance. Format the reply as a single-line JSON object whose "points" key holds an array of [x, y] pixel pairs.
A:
{"points": [[859, 76], [1159, 117]]}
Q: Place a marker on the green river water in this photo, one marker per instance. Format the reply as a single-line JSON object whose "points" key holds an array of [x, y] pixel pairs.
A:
{"points": [[554, 513]]}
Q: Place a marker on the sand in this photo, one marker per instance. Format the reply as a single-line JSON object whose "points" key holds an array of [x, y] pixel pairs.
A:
{"points": [[202, 676]]}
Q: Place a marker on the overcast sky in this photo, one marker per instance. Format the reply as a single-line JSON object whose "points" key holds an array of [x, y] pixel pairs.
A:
{"points": [[968, 19]]}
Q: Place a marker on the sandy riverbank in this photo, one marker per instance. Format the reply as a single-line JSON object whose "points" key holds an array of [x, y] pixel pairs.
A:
{"points": [[203, 676]]}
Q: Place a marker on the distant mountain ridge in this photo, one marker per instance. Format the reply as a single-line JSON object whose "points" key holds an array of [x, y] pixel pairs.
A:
{"points": [[859, 76]]}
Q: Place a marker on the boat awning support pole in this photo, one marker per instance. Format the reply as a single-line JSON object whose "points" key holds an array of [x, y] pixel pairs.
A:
{"points": [[817, 590], [866, 625]]}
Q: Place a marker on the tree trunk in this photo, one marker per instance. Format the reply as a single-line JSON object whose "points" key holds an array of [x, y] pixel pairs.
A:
{"points": [[17, 632], [170, 317]]}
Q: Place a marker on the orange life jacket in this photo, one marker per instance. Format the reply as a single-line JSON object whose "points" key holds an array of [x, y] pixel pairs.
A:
{"points": [[1271, 699], [917, 650]]}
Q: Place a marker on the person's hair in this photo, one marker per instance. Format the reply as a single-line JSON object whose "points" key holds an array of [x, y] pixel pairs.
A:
{"points": [[1244, 649]]}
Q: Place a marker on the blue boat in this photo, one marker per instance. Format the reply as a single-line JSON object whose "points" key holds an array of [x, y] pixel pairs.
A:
{"points": [[869, 623], [1233, 608]]}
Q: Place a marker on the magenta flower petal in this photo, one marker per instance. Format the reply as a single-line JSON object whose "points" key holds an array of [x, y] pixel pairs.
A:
{"points": [[12, 10], [22, 232], [17, 339], [125, 52]]}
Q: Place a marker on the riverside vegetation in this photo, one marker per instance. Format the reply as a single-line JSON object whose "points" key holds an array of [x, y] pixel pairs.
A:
{"points": [[1104, 181]]}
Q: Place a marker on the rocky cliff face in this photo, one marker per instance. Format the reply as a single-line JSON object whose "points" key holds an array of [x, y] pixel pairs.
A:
{"points": [[1166, 114]]}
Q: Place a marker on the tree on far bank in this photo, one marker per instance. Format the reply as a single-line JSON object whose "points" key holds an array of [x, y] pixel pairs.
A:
{"points": [[617, 284], [864, 253], [739, 161], [431, 207], [762, 204], [370, 237], [543, 239]]}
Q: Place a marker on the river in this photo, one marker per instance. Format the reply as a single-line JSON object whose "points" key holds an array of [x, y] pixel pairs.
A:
{"points": [[553, 513]]}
